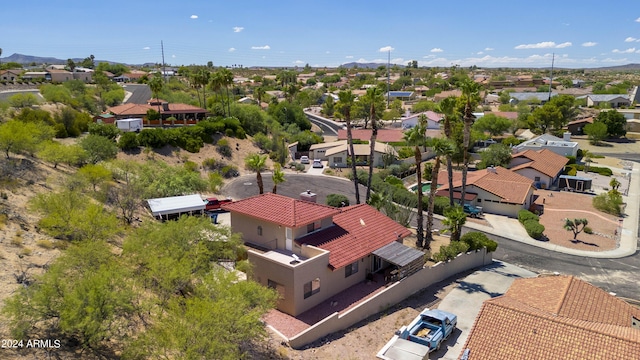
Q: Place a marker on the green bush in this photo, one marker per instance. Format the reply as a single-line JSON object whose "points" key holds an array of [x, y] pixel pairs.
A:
{"points": [[394, 181], [601, 170], [229, 171], [128, 141], [524, 215], [587, 230], [570, 170], [572, 160], [611, 202], [223, 148], [440, 204], [337, 200], [406, 152], [477, 240], [534, 229], [191, 166], [449, 252], [210, 164]]}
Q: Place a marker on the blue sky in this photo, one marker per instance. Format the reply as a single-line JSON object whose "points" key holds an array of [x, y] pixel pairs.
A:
{"points": [[497, 33]]}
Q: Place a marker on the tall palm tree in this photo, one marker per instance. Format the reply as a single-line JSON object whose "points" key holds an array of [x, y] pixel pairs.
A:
{"points": [[277, 176], [441, 147], [257, 163], [156, 83], [227, 79], [471, 91], [416, 136], [346, 100], [215, 83], [447, 107], [202, 79], [259, 93], [586, 158], [374, 96]]}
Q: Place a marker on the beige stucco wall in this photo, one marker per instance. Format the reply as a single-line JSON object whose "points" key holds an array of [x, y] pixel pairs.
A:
{"points": [[493, 207], [532, 173], [391, 295], [61, 77]]}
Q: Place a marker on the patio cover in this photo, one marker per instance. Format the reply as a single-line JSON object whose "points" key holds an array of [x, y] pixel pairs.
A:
{"points": [[176, 204], [398, 254]]}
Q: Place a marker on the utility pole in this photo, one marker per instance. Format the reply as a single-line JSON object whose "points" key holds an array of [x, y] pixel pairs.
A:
{"points": [[164, 73], [388, 76], [551, 78]]}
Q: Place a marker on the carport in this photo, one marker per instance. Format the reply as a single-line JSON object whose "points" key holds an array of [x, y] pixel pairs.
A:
{"points": [[574, 183], [403, 259]]}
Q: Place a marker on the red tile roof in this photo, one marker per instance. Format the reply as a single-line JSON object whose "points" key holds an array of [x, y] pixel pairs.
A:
{"points": [[358, 231], [141, 109], [384, 135], [281, 210], [559, 317], [544, 161], [588, 120], [509, 186]]}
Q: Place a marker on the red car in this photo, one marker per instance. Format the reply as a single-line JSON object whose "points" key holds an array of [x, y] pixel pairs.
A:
{"points": [[215, 203]]}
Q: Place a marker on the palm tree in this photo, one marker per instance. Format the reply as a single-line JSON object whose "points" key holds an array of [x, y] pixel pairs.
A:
{"points": [[373, 95], [259, 94], [156, 83], [257, 163], [441, 147], [586, 158], [277, 176], [453, 221], [416, 137], [378, 200], [227, 79], [346, 100], [470, 90], [447, 108]]}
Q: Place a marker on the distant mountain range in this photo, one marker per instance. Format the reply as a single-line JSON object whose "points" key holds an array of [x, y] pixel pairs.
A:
{"points": [[28, 59]]}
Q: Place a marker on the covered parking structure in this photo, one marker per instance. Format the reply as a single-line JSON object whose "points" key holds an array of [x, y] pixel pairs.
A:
{"points": [[404, 260], [173, 207]]}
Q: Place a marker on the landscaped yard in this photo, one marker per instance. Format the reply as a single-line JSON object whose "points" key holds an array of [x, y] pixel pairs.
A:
{"points": [[559, 205]]}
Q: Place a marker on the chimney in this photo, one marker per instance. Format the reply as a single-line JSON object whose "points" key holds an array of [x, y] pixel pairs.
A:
{"points": [[308, 196], [566, 136], [492, 170], [165, 106]]}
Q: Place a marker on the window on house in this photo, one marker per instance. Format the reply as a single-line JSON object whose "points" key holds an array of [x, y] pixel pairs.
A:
{"points": [[311, 288], [537, 178], [314, 226], [479, 200], [351, 269], [277, 287], [337, 159], [259, 230]]}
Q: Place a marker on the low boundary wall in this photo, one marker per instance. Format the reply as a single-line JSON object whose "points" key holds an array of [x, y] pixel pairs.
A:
{"points": [[392, 295]]}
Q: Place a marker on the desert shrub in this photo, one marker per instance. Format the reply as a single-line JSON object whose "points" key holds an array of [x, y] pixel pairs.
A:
{"points": [[17, 240], [110, 131], [128, 141], [229, 171], [191, 166], [393, 180], [153, 138], [610, 203], [210, 164], [299, 167], [406, 152], [244, 266], [534, 228], [45, 244], [223, 148], [440, 204], [477, 240], [449, 252], [605, 171], [215, 182], [337, 200], [572, 160], [570, 170], [587, 230], [524, 215], [26, 251]]}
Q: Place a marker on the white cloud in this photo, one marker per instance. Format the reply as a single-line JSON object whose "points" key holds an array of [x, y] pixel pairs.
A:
{"points": [[299, 62], [488, 49], [194, 16], [327, 52], [349, 56], [638, 19], [266, 47], [428, 56], [237, 28], [173, 56], [589, 44], [398, 61], [436, 50], [480, 53], [361, 60], [543, 45], [386, 49], [146, 48], [631, 39], [232, 49], [628, 51]]}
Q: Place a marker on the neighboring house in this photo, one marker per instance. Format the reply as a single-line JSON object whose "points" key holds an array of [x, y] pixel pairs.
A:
{"points": [[433, 120], [247, 100], [544, 166], [309, 252], [554, 317], [338, 155], [318, 151], [629, 113], [542, 97], [615, 101], [182, 112], [31, 75], [576, 127], [10, 75], [56, 67], [633, 125], [402, 95], [85, 76], [384, 135], [58, 76], [563, 147], [496, 190]]}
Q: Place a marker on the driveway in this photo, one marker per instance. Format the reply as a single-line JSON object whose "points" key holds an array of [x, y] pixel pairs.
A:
{"points": [[316, 171], [466, 300]]}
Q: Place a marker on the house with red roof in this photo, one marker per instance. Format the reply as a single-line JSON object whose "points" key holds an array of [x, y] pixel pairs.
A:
{"points": [[544, 166], [554, 317], [432, 118], [181, 112], [384, 135], [309, 252], [497, 190]]}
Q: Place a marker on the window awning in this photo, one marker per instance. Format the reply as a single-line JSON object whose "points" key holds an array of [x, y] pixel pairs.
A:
{"points": [[398, 254]]}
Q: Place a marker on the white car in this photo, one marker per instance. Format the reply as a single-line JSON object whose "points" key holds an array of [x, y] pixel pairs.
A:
{"points": [[304, 159], [317, 163]]}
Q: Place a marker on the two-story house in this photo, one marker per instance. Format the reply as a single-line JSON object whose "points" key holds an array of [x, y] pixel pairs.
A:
{"points": [[309, 252], [544, 166]]}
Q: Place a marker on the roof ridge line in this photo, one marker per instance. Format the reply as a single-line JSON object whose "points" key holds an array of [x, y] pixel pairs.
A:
{"points": [[564, 296]]}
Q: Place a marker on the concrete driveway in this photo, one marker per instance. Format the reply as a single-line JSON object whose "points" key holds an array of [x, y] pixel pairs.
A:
{"points": [[466, 300], [316, 171]]}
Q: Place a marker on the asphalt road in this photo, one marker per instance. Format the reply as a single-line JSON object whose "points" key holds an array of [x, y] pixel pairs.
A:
{"points": [[141, 93], [6, 95], [327, 127]]}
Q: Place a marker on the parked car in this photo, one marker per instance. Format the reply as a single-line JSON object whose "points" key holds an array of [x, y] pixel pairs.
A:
{"points": [[212, 204], [317, 164], [304, 159], [472, 210], [430, 328]]}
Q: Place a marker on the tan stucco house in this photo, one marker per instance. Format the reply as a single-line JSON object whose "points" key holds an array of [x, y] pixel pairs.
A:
{"points": [[544, 166], [497, 190], [337, 156], [309, 252]]}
